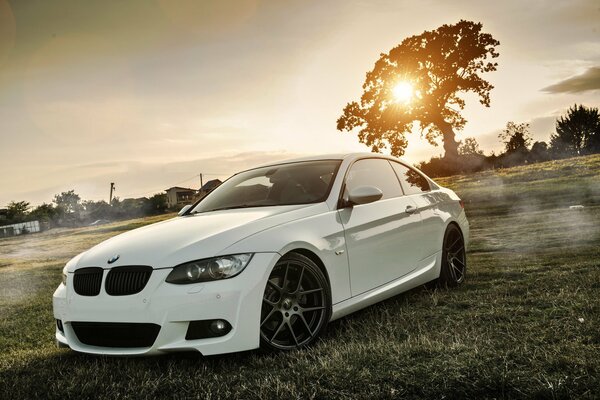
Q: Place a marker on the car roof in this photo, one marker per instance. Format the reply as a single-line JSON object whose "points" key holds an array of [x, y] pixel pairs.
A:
{"points": [[342, 157], [333, 156]]}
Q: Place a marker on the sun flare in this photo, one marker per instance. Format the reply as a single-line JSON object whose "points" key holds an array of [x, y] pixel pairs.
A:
{"points": [[403, 92]]}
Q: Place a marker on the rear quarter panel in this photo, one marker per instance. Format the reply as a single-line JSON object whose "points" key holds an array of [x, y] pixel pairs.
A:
{"points": [[451, 211]]}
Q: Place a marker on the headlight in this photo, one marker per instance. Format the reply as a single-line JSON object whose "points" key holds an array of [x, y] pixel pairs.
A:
{"points": [[64, 276], [210, 269]]}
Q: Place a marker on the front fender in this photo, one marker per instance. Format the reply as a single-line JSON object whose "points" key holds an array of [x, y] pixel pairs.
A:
{"points": [[322, 234]]}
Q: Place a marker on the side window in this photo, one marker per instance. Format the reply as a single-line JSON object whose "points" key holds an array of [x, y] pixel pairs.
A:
{"points": [[373, 172], [412, 181]]}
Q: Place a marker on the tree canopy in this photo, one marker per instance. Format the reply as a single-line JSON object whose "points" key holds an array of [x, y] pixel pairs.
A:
{"points": [[578, 132], [69, 202], [437, 65], [469, 147], [17, 210], [516, 137]]}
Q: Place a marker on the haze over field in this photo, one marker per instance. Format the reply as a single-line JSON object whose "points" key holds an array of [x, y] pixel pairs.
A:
{"points": [[147, 94], [524, 325]]}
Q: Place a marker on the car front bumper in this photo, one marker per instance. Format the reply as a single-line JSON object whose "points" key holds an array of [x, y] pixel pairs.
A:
{"points": [[237, 300]]}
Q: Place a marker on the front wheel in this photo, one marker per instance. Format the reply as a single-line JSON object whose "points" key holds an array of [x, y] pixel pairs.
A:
{"points": [[454, 259], [296, 304]]}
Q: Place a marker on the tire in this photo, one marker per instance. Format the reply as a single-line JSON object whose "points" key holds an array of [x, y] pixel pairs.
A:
{"points": [[296, 304], [454, 260]]}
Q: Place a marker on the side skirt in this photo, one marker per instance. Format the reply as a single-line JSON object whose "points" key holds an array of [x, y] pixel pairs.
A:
{"points": [[428, 270]]}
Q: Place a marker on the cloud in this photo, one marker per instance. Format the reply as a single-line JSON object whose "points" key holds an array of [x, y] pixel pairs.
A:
{"points": [[589, 80]]}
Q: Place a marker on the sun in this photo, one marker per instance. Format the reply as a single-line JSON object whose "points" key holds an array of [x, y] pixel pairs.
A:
{"points": [[403, 92]]}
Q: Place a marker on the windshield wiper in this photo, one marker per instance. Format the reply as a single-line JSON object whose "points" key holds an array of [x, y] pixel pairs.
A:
{"points": [[230, 207], [238, 206], [233, 207]]}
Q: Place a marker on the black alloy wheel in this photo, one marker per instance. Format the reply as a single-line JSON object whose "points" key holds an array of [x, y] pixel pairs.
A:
{"points": [[454, 259], [296, 304]]}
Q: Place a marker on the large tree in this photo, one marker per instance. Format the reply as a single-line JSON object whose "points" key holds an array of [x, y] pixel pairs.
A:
{"points": [[47, 214], [577, 132], [16, 211], [69, 202], [436, 66]]}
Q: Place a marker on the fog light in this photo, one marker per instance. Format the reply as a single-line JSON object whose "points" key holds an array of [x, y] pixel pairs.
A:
{"points": [[59, 325], [218, 326], [207, 329]]}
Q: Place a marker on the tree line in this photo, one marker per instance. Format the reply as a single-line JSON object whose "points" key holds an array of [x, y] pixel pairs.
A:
{"points": [[67, 209], [576, 133]]}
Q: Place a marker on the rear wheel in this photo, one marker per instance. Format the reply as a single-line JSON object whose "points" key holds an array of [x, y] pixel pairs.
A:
{"points": [[454, 260], [296, 304]]}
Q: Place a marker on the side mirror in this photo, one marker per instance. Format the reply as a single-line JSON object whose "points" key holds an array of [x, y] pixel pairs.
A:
{"points": [[364, 195], [184, 209]]}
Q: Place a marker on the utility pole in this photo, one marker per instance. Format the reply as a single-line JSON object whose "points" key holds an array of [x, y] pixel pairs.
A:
{"points": [[112, 189], [201, 182]]}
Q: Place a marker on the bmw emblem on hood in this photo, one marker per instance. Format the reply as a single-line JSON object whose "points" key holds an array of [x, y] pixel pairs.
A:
{"points": [[113, 259]]}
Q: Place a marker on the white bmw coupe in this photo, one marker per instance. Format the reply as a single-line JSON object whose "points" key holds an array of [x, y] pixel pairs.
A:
{"points": [[265, 260]]}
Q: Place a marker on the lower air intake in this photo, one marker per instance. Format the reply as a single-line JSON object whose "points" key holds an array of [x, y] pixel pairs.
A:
{"points": [[116, 334]]}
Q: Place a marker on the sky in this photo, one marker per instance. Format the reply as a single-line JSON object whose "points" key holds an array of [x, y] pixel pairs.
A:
{"points": [[150, 93]]}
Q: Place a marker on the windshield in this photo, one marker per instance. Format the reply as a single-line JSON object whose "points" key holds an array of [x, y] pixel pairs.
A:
{"points": [[295, 183]]}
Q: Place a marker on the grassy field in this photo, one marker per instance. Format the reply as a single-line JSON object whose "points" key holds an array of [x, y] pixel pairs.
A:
{"points": [[525, 325]]}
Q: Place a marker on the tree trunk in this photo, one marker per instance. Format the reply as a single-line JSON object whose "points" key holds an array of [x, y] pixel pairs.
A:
{"points": [[450, 144]]}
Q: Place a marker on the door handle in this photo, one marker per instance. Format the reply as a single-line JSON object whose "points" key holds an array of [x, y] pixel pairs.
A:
{"points": [[410, 210]]}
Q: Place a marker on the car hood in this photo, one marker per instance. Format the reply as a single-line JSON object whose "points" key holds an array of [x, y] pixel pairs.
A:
{"points": [[191, 237]]}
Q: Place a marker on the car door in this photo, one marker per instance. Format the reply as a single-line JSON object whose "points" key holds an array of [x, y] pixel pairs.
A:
{"points": [[382, 237], [417, 187]]}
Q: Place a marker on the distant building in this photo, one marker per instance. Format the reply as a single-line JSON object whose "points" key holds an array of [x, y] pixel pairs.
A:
{"points": [[179, 196], [20, 228], [208, 187]]}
